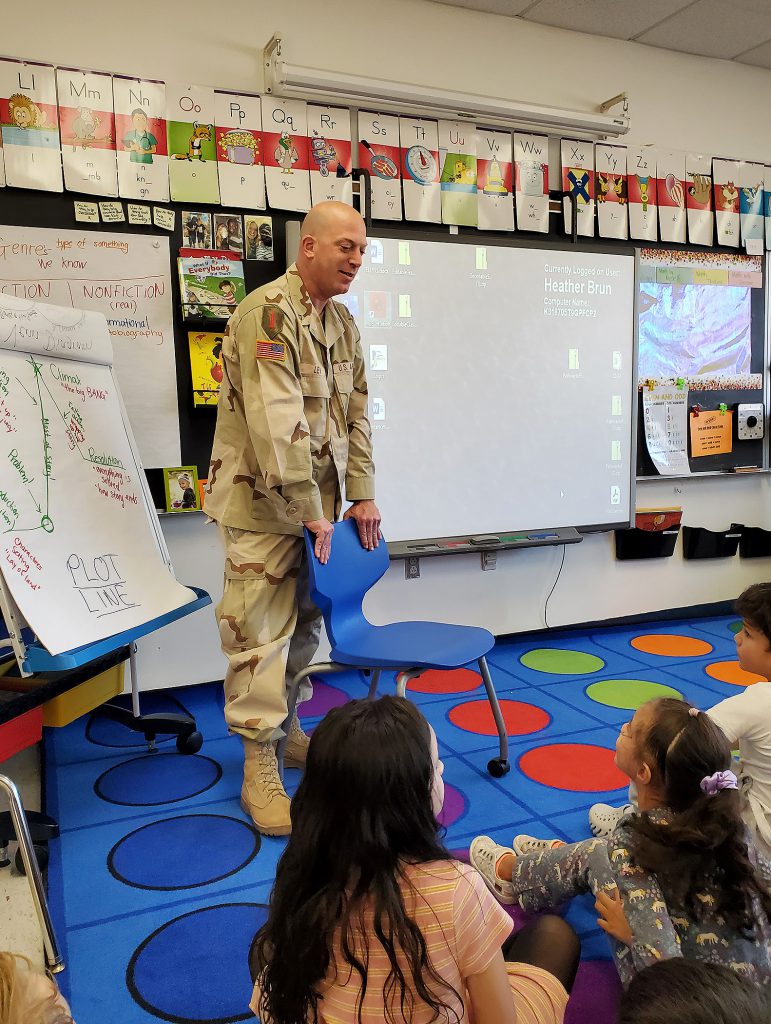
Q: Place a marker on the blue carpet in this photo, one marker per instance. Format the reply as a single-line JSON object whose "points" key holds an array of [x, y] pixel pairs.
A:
{"points": [[159, 881]]}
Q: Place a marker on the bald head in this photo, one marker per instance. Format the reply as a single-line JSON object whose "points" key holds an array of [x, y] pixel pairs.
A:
{"points": [[333, 240]]}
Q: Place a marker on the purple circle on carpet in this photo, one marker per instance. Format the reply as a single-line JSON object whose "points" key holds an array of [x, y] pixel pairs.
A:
{"points": [[454, 806], [324, 699], [595, 994]]}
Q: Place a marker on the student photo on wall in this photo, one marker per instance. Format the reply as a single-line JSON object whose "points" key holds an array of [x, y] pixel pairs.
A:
{"points": [[228, 233], [182, 493], [259, 238], [196, 229]]}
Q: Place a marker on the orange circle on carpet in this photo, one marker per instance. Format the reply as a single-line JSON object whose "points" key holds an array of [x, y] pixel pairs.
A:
{"points": [[519, 719], [575, 767], [459, 680], [731, 672], [670, 645]]}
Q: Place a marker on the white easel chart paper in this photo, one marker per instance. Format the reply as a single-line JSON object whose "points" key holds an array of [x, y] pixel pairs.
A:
{"points": [[665, 412], [78, 549]]}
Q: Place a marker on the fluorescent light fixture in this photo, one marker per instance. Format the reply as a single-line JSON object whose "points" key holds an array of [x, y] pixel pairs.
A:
{"points": [[334, 88]]}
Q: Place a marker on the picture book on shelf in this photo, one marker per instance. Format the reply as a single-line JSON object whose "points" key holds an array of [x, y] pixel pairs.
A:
{"points": [[205, 366], [211, 283]]}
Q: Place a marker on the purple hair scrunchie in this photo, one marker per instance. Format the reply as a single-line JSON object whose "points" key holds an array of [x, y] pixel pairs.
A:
{"points": [[712, 784]]}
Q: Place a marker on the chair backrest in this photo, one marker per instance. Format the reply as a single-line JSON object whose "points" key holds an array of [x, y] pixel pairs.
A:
{"points": [[338, 588]]}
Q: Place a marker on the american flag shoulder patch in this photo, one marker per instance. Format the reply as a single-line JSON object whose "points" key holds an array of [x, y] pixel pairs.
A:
{"points": [[271, 350]]}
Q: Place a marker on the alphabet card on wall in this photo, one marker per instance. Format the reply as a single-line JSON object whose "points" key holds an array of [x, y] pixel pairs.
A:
{"points": [[578, 181], [494, 181], [751, 201], [531, 182], [419, 141], [767, 204], [192, 147], [329, 145], [641, 188], [140, 132], [611, 192], [670, 171], [87, 130], [698, 198], [285, 135], [30, 126], [379, 152], [458, 160], [725, 176], [238, 133]]}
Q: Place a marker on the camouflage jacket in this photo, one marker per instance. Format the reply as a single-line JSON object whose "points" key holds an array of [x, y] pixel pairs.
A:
{"points": [[292, 412]]}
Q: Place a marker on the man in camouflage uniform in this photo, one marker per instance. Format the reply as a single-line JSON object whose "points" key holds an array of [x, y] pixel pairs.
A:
{"points": [[292, 435]]}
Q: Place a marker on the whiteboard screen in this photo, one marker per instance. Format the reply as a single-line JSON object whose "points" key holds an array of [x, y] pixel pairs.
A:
{"points": [[501, 386]]}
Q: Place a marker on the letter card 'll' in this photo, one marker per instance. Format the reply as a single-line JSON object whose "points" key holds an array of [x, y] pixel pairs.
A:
{"points": [[531, 175], [87, 129], [329, 146], [641, 188], [495, 200], [140, 130], [379, 153], [285, 136], [30, 126], [578, 181], [238, 130], [192, 147], [419, 141]]}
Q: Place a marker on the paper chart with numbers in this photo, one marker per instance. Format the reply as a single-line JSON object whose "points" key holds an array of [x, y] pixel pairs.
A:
{"points": [[665, 412]]}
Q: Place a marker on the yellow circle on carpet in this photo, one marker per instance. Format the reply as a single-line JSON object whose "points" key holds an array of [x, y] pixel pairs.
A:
{"points": [[671, 645], [731, 672]]}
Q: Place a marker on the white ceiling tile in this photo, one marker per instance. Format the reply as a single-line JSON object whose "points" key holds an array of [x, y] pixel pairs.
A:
{"points": [[713, 28], [759, 56], [510, 8], [621, 20]]}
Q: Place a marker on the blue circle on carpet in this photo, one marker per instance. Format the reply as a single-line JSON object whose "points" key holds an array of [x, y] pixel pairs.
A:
{"points": [[157, 856], [157, 779], [194, 968]]}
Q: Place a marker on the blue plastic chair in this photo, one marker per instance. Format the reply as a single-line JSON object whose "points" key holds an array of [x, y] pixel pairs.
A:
{"points": [[338, 588]]}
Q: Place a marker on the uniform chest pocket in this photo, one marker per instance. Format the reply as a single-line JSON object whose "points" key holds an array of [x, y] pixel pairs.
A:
{"points": [[343, 379], [315, 399]]}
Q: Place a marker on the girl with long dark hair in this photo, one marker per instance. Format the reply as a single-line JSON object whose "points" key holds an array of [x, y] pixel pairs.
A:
{"points": [[371, 919]]}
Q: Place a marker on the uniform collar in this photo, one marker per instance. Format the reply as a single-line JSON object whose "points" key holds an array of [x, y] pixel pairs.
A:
{"points": [[327, 330]]}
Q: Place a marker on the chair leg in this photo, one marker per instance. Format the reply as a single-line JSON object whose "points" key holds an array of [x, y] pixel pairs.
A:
{"points": [[498, 766], [323, 668], [404, 677], [373, 685]]}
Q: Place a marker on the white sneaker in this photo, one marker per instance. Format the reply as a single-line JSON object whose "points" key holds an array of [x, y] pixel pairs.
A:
{"points": [[603, 818], [484, 853], [529, 844]]}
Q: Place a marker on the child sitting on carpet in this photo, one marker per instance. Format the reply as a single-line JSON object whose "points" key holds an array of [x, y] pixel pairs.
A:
{"points": [[677, 879], [688, 992], [371, 919], [746, 721], [28, 996]]}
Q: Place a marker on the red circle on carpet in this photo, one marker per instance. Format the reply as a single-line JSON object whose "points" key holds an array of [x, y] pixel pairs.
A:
{"points": [[575, 767], [459, 680], [520, 719]]}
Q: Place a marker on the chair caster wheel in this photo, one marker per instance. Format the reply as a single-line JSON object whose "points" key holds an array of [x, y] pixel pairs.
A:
{"points": [[498, 767], [190, 744], [41, 852]]}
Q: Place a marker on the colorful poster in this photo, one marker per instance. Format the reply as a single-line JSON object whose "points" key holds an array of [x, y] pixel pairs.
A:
{"points": [[611, 191], [419, 141], [458, 181], [205, 366], [751, 201], [29, 124], [329, 146], [286, 159], [578, 181], [192, 147], [495, 200], [641, 188], [670, 171], [698, 198], [238, 131], [87, 130], [140, 133], [725, 177], [379, 153], [665, 412], [531, 182]]}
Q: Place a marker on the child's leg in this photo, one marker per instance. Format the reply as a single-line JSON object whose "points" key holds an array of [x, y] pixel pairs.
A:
{"points": [[549, 943], [547, 879]]}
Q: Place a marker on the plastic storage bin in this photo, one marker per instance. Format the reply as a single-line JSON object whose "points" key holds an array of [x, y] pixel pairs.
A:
{"points": [[83, 698], [636, 543], [701, 543]]}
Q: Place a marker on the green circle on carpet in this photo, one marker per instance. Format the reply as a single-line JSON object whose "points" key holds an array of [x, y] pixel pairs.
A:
{"points": [[736, 626], [561, 663], [628, 694]]}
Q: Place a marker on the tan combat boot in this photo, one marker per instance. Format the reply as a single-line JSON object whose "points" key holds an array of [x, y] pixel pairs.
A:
{"points": [[296, 750], [262, 796]]}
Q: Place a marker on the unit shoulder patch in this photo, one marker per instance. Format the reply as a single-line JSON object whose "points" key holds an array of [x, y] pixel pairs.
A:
{"points": [[272, 320]]}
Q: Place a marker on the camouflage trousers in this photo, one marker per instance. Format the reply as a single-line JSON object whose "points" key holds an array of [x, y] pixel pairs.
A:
{"points": [[269, 628]]}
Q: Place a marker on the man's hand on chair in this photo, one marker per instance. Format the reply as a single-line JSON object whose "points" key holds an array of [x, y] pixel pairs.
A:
{"points": [[322, 529], [367, 520]]}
